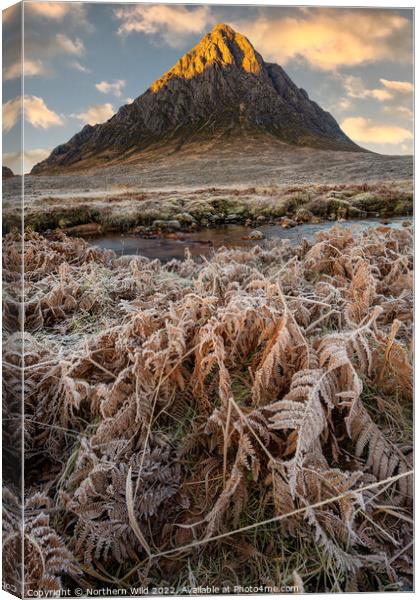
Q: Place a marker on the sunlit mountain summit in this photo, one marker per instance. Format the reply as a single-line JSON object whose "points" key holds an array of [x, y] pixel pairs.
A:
{"points": [[221, 87]]}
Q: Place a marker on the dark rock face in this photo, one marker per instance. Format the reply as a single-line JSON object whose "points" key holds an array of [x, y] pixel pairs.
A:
{"points": [[7, 173], [220, 87]]}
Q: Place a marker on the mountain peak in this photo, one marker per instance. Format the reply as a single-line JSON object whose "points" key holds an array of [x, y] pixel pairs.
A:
{"points": [[222, 47], [223, 28], [220, 88]]}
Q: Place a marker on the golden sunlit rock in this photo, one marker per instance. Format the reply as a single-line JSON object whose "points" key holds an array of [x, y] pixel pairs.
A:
{"points": [[222, 47]]}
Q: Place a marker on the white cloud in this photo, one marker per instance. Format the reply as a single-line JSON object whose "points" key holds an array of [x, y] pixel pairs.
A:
{"points": [[97, 113], [13, 160], [37, 67], [402, 111], [344, 104], [356, 88], [69, 46], [51, 10], [404, 87], [396, 95], [36, 113], [129, 100], [329, 38], [31, 68], [367, 131], [72, 12], [105, 87], [75, 64], [170, 22], [52, 30], [341, 105], [378, 94], [11, 113], [44, 49]]}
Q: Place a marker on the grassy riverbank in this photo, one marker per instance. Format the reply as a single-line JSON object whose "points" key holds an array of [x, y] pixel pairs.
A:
{"points": [[150, 211]]}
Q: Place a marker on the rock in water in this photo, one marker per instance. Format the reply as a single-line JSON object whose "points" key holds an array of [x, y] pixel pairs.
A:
{"points": [[256, 234], [221, 87]]}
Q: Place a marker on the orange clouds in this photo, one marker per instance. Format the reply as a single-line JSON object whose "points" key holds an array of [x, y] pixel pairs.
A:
{"points": [[367, 131], [331, 38]]}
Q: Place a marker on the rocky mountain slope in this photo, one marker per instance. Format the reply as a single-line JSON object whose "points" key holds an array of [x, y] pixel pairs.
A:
{"points": [[222, 87], [7, 172]]}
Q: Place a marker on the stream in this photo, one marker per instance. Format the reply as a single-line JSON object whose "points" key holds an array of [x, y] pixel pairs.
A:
{"points": [[204, 242]]}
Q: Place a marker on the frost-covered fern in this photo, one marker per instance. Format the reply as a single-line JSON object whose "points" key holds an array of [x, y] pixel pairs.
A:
{"points": [[166, 405]]}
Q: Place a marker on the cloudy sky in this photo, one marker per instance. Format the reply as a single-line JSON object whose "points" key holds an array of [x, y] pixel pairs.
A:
{"points": [[83, 61]]}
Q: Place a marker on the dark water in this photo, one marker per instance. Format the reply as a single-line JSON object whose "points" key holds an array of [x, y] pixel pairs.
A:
{"points": [[203, 243]]}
